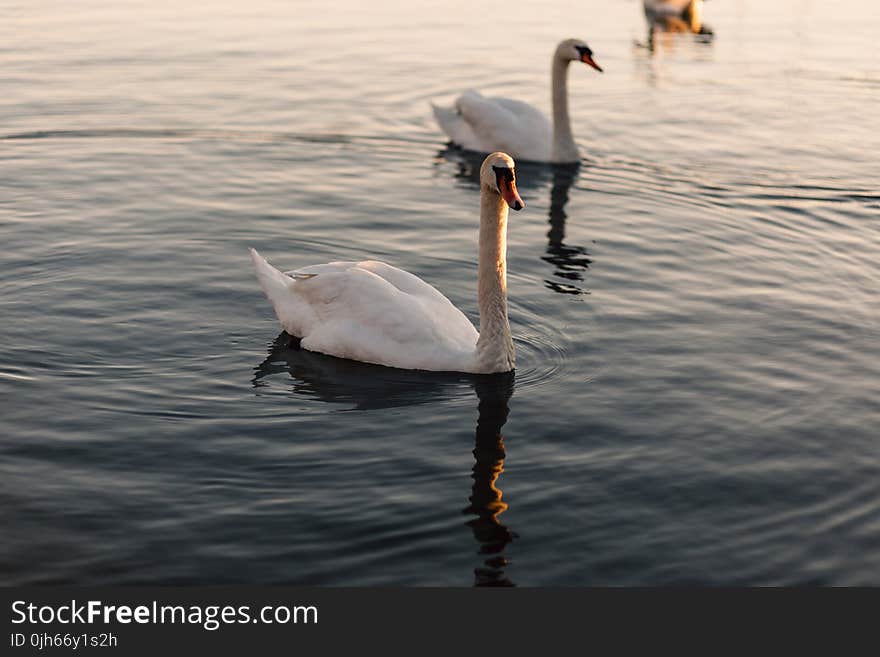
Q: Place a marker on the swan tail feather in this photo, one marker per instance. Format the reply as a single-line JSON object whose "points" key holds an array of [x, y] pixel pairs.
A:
{"points": [[292, 311], [454, 125], [273, 282]]}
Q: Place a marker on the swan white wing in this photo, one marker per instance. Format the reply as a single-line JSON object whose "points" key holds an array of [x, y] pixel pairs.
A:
{"points": [[399, 278], [502, 124], [455, 327], [522, 110], [372, 312], [367, 318]]}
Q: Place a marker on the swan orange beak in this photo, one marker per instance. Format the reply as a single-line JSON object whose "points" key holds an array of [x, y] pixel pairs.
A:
{"points": [[586, 58], [510, 195], [505, 178]]}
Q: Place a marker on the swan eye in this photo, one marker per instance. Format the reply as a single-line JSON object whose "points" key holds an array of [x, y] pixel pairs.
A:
{"points": [[504, 175], [584, 50]]}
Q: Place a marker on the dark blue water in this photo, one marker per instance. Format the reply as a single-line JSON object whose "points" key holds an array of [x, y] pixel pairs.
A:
{"points": [[695, 305]]}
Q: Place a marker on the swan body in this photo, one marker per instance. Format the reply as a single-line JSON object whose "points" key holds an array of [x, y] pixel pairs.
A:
{"points": [[371, 312], [483, 124], [375, 313]]}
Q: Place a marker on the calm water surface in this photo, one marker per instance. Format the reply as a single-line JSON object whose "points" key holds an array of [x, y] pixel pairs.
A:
{"points": [[695, 306]]}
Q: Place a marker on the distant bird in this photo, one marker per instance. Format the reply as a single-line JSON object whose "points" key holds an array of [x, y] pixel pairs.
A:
{"points": [[484, 124], [677, 15], [375, 313]]}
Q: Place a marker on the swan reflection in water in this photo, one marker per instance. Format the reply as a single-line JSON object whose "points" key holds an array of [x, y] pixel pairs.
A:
{"points": [[486, 502], [364, 386], [667, 18], [360, 385], [570, 262]]}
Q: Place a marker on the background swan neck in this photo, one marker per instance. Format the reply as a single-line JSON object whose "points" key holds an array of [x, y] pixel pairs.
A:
{"points": [[495, 351], [564, 148]]}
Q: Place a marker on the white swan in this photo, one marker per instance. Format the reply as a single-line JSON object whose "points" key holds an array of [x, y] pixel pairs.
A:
{"points": [[484, 124], [376, 313]]}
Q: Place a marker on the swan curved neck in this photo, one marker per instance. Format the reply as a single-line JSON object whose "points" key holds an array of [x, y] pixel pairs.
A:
{"points": [[495, 351], [564, 148]]}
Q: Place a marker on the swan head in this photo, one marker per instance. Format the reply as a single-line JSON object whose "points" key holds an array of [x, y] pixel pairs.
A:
{"points": [[498, 174], [575, 50]]}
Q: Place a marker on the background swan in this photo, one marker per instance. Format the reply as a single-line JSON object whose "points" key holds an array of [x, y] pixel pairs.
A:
{"points": [[375, 313], [676, 15], [484, 124]]}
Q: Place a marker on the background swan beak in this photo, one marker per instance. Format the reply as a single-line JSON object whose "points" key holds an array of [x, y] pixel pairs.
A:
{"points": [[511, 196], [587, 59]]}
